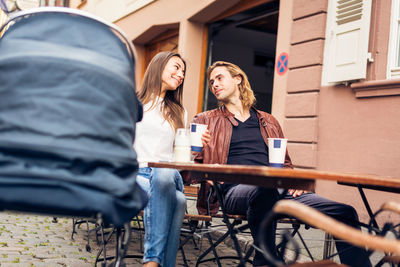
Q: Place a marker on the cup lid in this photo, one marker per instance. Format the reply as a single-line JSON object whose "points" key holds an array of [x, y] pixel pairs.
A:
{"points": [[182, 137]]}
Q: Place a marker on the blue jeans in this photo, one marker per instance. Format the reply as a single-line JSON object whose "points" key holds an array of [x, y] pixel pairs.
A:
{"points": [[163, 214]]}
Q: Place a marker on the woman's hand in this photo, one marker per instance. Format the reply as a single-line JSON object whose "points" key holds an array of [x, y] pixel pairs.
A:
{"points": [[205, 138]]}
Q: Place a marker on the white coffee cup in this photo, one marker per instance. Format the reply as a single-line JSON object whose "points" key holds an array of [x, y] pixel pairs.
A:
{"points": [[196, 132], [277, 151]]}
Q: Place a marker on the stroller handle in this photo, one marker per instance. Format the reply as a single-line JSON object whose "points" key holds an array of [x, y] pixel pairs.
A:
{"points": [[72, 11]]}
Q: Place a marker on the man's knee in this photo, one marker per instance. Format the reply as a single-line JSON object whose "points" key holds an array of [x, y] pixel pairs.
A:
{"points": [[349, 212], [264, 195]]}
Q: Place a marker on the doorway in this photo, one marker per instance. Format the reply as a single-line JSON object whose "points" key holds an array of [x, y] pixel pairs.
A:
{"points": [[247, 39], [166, 41]]}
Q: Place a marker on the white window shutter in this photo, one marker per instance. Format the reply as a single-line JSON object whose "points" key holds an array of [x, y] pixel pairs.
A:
{"points": [[346, 43]]}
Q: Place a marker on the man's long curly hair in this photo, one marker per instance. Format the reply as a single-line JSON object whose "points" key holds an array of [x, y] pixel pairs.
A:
{"points": [[246, 93]]}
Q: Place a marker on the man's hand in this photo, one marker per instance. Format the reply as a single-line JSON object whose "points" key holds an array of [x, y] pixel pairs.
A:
{"points": [[296, 192], [212, 183], [205, 138]]}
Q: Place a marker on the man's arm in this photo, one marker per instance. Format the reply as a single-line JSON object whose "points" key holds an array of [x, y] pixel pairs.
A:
{"points": [[288, 162]]}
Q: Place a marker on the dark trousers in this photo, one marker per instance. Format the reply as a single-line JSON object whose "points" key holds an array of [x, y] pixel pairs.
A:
{"points": [[256, 202]]}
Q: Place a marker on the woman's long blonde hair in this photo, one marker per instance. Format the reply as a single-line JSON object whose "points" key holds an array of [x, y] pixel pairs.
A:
{"points": [[171, 108], [246, 94]]}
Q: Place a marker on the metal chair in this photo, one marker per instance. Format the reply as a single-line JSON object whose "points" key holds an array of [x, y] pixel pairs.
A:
{"points": [[234, 225], [192, 224], [344, 232]]}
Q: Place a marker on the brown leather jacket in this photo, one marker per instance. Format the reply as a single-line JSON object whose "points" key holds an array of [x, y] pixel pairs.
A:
{"points": [[220, 123]]}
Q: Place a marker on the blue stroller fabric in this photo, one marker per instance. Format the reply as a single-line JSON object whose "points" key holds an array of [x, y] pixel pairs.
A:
{"points": [[68, 110]]}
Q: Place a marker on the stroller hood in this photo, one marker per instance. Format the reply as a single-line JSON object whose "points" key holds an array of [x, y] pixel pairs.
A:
{"points": [[68, 110]]}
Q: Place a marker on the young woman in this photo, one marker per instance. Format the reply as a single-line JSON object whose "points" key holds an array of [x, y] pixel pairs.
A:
{"points": [[161, 95]]}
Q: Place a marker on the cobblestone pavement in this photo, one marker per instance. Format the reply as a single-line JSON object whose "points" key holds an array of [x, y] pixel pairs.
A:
{"points": [[34, 241]]}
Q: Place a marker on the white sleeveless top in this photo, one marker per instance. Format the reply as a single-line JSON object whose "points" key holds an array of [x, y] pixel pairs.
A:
{"points": [[154, 139]]}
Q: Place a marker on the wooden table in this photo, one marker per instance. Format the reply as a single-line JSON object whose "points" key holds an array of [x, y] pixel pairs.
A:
{"points": [[280, 177], [283, 178]]}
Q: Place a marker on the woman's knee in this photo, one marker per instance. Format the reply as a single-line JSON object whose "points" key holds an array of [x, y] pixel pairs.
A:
{"points": [[164, 178], [143, 182], [180, 200]]}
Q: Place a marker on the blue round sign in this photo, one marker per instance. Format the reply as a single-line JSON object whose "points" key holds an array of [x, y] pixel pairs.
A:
{"points": [[282, 63]]}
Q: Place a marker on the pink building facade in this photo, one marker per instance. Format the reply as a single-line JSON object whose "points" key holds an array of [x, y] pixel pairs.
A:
{"points": [[327, 70]]}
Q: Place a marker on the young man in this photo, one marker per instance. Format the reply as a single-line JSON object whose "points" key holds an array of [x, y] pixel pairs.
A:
{"points": [[238, 135]]}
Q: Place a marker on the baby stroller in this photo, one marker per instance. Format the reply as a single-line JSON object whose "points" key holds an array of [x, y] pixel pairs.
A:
{"points": [[68, 110]]}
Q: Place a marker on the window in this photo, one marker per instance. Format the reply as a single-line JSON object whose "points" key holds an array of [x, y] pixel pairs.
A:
{"points": [[394, 42], [54, 2], [346, 43]]}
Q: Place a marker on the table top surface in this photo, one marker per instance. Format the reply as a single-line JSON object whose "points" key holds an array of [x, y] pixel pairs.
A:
{"points": [[220, 171]]}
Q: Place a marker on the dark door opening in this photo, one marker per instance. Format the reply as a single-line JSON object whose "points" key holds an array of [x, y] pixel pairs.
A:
{"points": [[247, 39]]}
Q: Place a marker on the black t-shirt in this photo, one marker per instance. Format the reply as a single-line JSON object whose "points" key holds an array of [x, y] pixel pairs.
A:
{"points": [[247, 145]]}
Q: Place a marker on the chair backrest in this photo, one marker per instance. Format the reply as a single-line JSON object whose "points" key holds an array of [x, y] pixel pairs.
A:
{"points": [[338, 229], [68, 110], [191, 191]]}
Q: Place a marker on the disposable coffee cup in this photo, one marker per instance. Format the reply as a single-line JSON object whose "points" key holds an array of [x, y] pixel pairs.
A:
{"points": [[196, 131], [277, 151]]}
